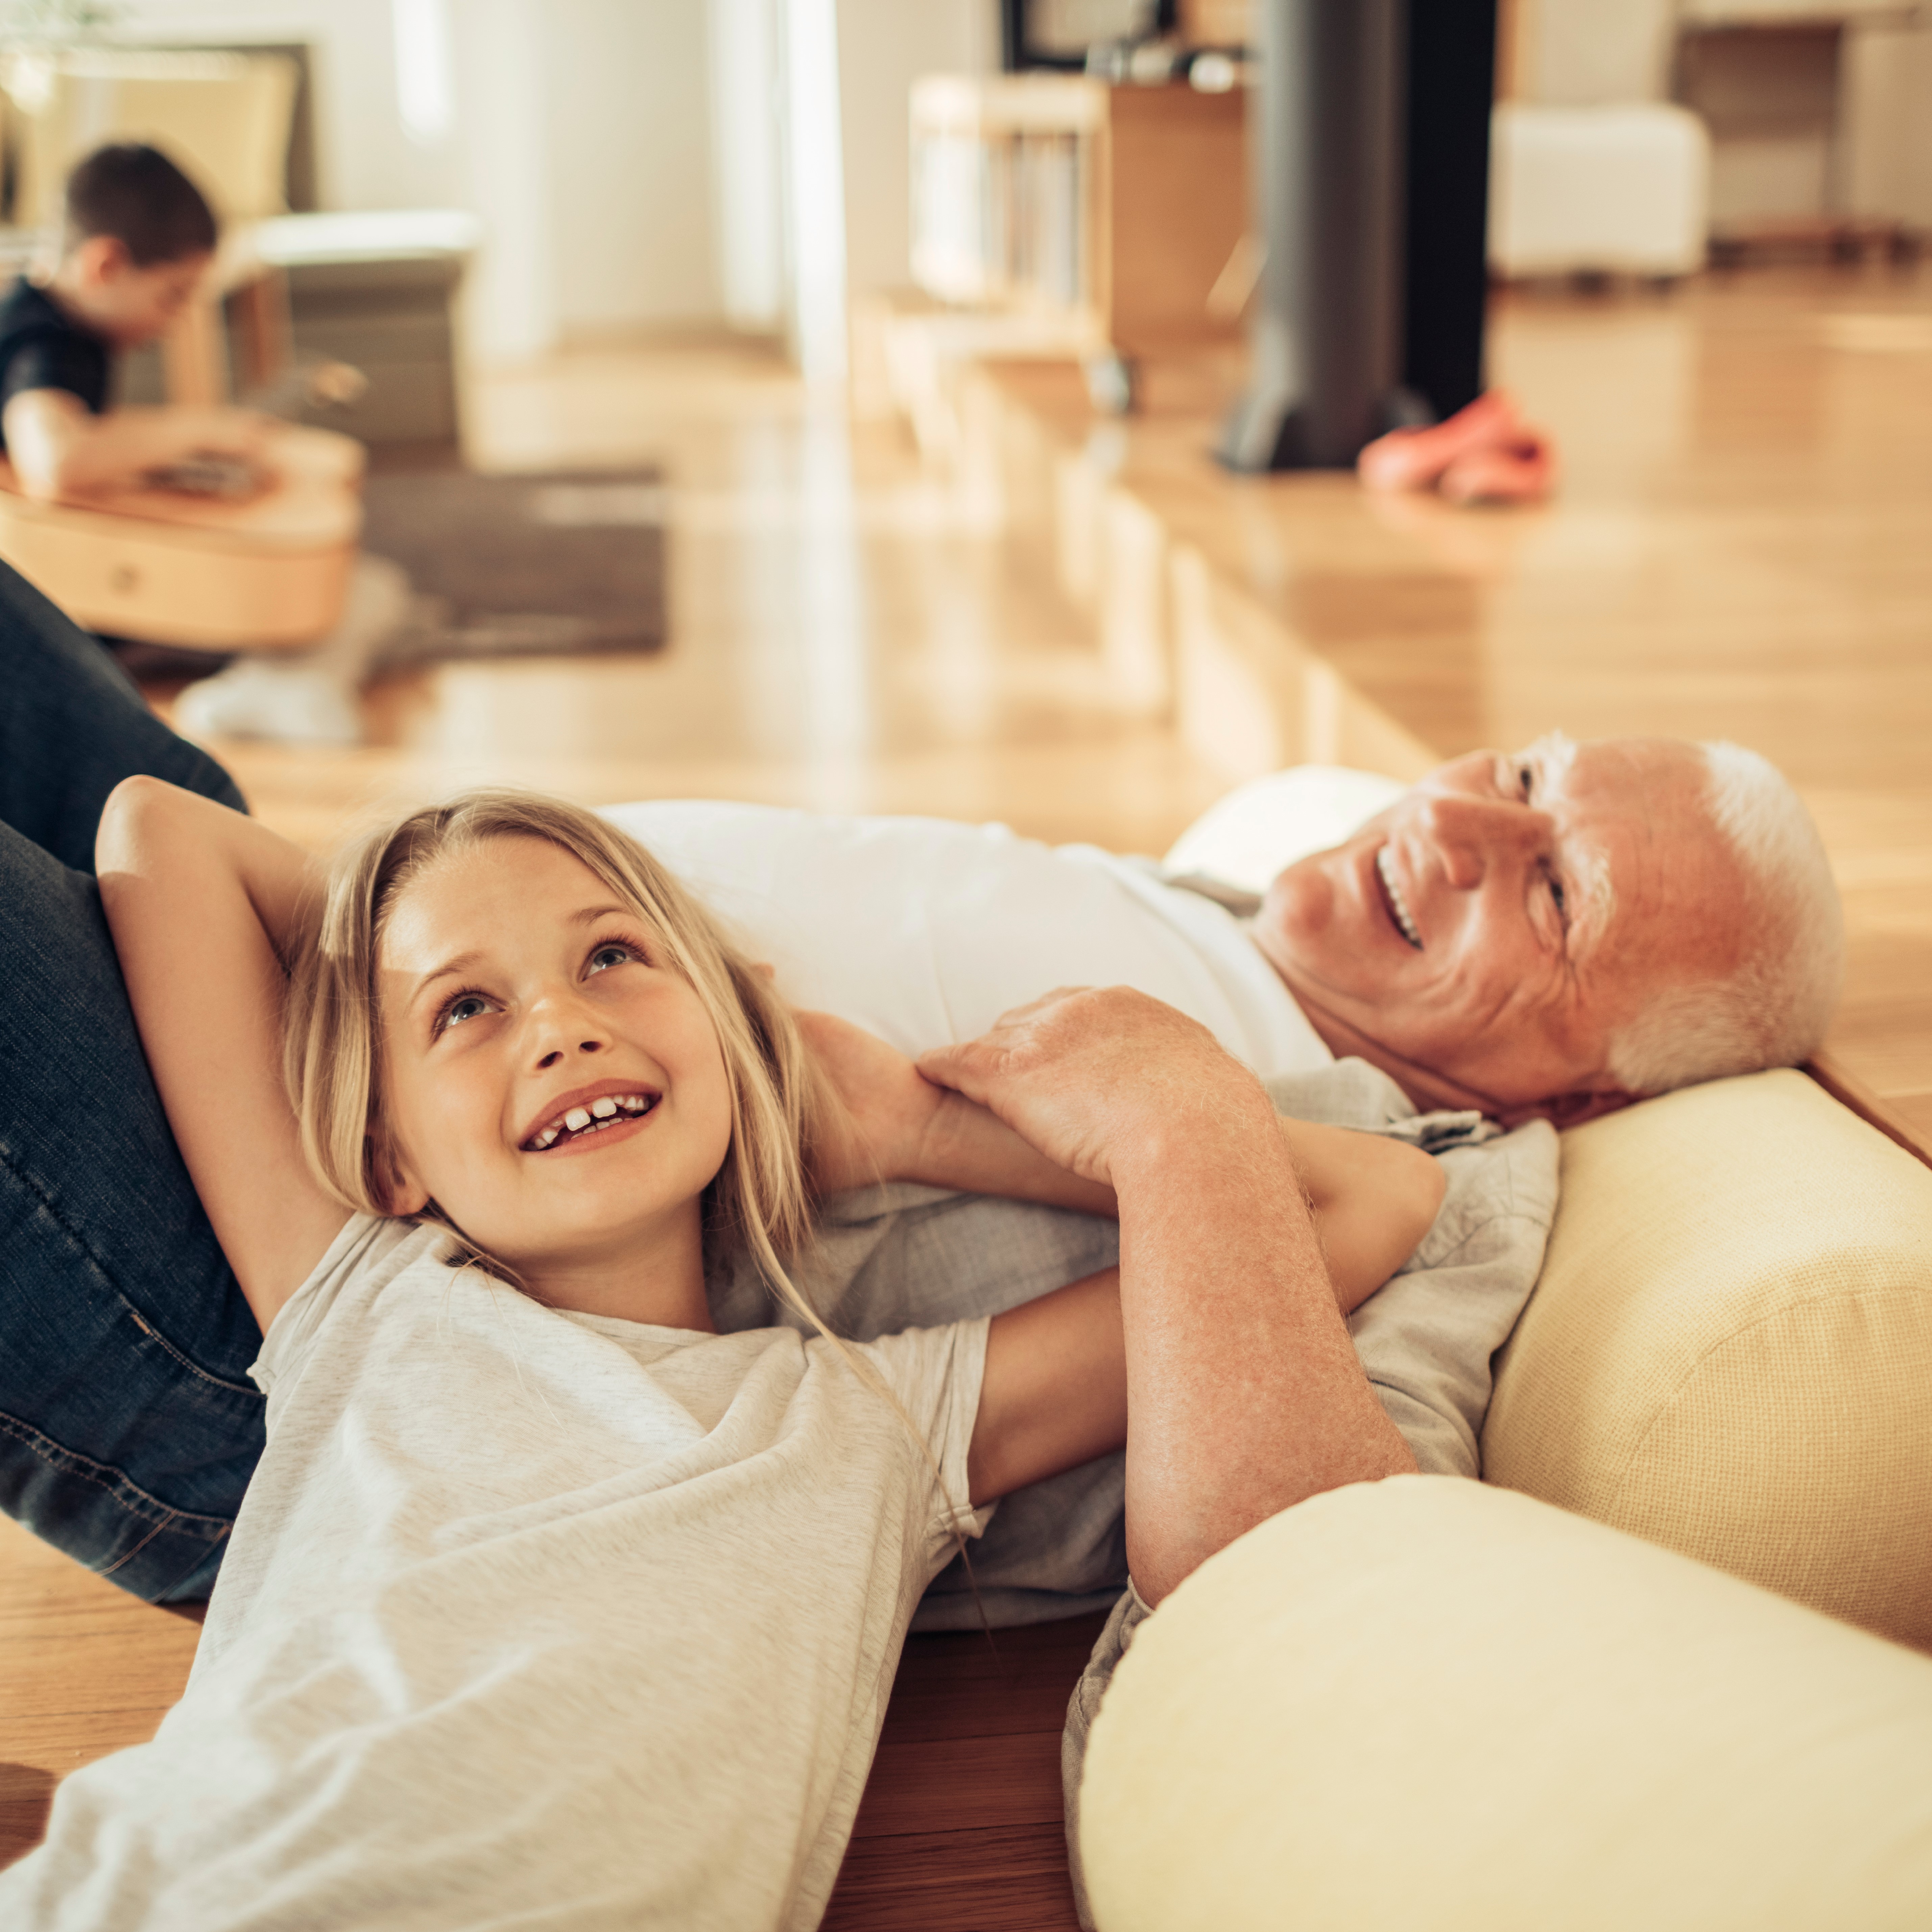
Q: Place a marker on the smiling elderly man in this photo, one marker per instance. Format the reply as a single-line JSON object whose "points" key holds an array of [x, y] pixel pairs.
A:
{"points": [[1562, 930], [1550, 933]]}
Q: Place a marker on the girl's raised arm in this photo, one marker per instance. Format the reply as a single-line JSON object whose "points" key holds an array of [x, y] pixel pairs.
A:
{"points": [[205, 905]]}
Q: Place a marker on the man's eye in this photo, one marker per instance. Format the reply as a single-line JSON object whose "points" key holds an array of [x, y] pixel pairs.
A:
{"points": [[1556, 895], [1525, 780]]}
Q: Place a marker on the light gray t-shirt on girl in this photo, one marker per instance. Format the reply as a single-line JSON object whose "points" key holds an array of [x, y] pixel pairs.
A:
{"points": [[529, 1617]]}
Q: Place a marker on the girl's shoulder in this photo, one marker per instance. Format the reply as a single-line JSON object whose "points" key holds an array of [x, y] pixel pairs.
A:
{"points": [[368, 1254]]}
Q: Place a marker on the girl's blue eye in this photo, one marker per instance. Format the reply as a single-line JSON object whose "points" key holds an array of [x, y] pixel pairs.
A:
{"points": [[612, 955], [463, 1006]]}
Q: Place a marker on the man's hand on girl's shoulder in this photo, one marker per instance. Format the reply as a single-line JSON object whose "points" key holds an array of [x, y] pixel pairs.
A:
{"points": [[1094, 1077]]}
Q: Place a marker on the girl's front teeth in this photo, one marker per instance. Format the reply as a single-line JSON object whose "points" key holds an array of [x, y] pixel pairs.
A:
{"points": [[601, 1111]]}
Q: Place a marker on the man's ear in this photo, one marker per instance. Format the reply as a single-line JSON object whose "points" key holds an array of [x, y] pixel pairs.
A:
{"points": [[1567, 1110], [400, 1191]]}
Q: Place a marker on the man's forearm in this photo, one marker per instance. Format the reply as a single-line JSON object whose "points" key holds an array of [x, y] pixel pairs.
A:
{"points": [[1243, 1395], [1245, 1392], [1373, 1199]]}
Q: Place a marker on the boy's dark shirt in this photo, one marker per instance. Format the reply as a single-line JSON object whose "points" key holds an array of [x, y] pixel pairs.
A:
{"points": [[42, 348]]}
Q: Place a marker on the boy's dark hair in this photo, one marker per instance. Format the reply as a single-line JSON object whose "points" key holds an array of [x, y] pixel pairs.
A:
{"points": [[135, 194]]}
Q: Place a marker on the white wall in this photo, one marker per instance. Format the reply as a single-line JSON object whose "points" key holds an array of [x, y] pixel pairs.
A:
{"points": [[582, 136], [1584, 53], [614, 146], [884, 46], [365, 159], [502, 139], [747, 149], [628, 102]]}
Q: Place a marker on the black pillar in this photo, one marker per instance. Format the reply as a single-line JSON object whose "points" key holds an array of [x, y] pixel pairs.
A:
{"points": [[1370, 148], [1452, 65]]}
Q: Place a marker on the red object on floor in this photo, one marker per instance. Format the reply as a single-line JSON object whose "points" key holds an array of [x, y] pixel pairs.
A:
{"points": [[1485, 453], [1522, 470]]}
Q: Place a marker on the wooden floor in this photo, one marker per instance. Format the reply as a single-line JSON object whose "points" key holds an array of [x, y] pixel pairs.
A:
{"points": [[1742, 548]]}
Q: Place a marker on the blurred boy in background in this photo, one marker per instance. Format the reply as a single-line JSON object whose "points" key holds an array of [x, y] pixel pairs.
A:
{"points": [[138, 238]]}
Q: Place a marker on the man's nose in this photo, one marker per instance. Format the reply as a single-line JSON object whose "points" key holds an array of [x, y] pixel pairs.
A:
{"points": [[1473, 833]]}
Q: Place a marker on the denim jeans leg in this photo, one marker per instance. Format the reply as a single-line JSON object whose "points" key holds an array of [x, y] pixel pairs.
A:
{"points": [[128, 1425], [72, 726]]}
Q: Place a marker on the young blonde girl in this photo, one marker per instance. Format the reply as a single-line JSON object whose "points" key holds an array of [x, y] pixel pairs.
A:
{"points": [[548, 1604]]}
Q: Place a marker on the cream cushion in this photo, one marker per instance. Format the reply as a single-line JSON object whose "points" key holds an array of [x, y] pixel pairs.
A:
{"points": [[1429, 1702], [1729, 1350]]}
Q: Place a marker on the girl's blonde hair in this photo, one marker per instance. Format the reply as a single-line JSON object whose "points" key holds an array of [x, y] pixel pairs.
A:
{"points": [[761, 1200]]}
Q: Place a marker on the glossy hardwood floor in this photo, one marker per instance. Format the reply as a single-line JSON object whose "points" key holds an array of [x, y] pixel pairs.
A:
{"points": [[1742, 547]]}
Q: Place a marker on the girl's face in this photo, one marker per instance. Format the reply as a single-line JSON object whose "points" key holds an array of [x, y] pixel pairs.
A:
{"points": [[560, 1094]]}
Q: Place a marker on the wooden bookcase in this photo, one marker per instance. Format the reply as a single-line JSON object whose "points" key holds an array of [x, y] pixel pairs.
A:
{"points": [[1120, 211]]}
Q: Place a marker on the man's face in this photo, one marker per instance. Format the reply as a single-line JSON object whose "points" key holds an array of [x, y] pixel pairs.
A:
{"points": [[1496, 924]]}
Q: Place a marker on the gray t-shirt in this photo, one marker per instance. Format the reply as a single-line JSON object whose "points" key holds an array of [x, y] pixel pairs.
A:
{"points": [[529, 1617]]}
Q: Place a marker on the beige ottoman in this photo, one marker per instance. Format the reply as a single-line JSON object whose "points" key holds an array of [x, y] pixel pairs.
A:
{"points": [[1729, 1350], [1431, 1703]]}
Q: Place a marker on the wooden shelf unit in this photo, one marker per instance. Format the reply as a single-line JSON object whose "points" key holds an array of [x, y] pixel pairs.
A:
{"points": [[1117, 209]]}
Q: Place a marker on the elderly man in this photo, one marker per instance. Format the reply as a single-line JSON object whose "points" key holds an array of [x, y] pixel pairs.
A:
{"points": [[1552, 933], [1509, 935]]}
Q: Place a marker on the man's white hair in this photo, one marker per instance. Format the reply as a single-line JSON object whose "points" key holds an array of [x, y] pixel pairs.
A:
{"points": [[1773, 1010]]}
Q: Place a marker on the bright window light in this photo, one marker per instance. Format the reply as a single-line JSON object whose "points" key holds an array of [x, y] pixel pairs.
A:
{"points": [[425, 90]]}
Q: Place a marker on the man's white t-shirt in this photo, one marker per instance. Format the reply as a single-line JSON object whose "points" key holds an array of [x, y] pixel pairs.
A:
{"points": [[924, 931], [529, 1617]]}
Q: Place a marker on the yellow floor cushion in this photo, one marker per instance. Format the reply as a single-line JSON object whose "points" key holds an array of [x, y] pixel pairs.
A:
{"points": [[1729, 1350], [1432, 1703]]}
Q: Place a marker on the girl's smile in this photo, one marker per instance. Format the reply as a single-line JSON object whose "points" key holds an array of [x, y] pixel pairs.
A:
{"points": [[585, 1116]]}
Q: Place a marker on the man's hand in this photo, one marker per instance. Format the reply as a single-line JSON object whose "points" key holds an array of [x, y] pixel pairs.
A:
{"points": [[887, 1108], [1096, 1079], [1224, 1346]]}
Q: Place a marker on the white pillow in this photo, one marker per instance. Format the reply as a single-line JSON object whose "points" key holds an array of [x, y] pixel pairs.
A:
{"points": [[925, 930], [1265, 825]]}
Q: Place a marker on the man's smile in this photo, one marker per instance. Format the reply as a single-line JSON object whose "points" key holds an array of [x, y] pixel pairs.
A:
{"points": [[1398, 906]]}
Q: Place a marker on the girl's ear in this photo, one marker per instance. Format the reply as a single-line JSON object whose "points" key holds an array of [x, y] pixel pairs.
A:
{"points": [[401, 1194]]}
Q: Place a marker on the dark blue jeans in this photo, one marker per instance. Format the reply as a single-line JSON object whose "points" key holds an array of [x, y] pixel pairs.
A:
{"points": [[128, 1426]]}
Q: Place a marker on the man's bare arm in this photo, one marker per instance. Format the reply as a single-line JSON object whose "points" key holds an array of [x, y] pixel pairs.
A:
{"points": [[1243, 1392]]}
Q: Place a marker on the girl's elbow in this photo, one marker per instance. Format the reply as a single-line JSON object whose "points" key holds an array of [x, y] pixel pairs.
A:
{"points": [[134, 798], [134, 808]]}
